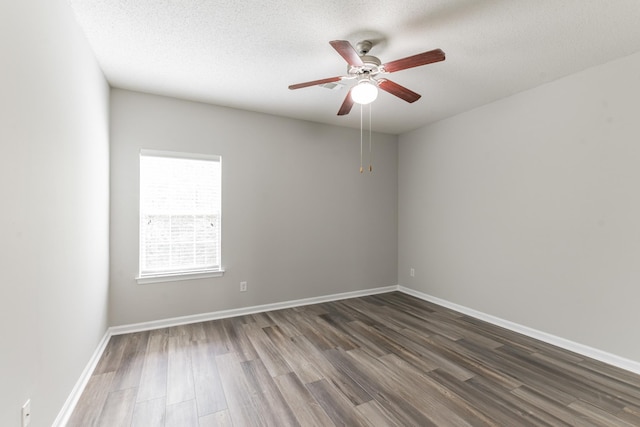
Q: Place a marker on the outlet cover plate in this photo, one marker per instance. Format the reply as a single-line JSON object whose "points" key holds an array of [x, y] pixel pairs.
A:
{"points": [[26, 413]]}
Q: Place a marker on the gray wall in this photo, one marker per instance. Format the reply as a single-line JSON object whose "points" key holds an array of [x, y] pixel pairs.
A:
{"points": [[298, 220], [54, 218], [528, 209]]}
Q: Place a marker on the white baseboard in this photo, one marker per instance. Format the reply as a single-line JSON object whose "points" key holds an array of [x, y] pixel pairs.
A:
{"points": [[65, 413], [203, 317], [594, 353]]}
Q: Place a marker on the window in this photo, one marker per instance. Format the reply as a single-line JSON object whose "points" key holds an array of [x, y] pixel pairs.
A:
{"points": [[179, 216]]}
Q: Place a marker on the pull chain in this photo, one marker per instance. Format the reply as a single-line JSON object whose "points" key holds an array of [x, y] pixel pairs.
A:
{"points": [[370, 155], [361, 138]]}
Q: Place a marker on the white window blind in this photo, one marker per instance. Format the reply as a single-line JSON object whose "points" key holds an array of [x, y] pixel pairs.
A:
{"points": [[180, 212]]}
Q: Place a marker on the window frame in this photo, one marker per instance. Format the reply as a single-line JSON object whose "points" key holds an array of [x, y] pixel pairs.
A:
{"points": [[167, 276]]}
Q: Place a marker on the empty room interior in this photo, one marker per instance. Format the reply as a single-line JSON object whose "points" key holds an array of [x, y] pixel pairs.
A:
{"points": [[204, 221]]}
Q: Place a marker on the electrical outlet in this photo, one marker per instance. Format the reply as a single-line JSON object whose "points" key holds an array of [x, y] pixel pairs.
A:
{"points": [[26, 413], [412, 272], [243, 286]]}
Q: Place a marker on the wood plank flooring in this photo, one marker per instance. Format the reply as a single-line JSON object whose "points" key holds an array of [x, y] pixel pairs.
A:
{"points": [[384, 360]]}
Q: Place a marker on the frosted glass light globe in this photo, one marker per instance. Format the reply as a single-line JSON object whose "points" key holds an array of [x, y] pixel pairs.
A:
{"points": [[364, 92]]}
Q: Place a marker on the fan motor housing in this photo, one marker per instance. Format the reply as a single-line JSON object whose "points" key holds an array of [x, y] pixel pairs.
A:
{"points": [[371, 66]]}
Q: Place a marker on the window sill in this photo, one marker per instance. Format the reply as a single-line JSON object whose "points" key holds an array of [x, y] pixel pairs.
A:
{"points": [[144, 280]]}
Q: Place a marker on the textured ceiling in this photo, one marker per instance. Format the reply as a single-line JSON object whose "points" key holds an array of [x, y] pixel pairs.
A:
{"points": [[244, 54]]}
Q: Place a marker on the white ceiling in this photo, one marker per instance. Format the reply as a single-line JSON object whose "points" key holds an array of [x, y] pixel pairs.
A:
{"points": [[244, 54]]}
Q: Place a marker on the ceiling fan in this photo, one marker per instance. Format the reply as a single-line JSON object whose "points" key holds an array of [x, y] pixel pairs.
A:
{"points": [[367, 69]]}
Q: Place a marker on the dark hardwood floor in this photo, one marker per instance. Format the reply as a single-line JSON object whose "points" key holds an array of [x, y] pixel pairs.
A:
{"points": [[384, 360]]}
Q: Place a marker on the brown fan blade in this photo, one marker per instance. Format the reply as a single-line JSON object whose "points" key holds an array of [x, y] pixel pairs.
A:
{"points": [[315, 82], [398, 90], [347, 104], [424, 58], [347, 51]]}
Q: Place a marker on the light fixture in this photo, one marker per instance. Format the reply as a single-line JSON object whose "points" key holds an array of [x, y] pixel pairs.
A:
{"points": [[365, 92]]}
